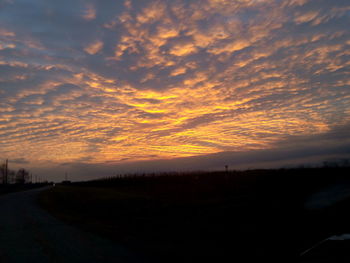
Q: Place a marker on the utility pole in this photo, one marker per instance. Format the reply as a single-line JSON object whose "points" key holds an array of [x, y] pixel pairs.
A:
{"points": [[3, 173], [6, 171]]}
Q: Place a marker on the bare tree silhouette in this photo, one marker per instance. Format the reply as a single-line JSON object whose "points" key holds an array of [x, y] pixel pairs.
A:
{"points": [[22, 176]]}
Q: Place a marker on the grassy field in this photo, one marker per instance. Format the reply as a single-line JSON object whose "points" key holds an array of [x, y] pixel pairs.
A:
{"points": [[223, 217]]}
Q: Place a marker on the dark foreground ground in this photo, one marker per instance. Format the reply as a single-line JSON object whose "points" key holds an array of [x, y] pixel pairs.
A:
{"points": [[10, 188], [28, 234], [221, 217]]}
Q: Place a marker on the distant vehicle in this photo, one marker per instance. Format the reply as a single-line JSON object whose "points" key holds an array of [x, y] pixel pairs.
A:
{"points": [[331, 250]]}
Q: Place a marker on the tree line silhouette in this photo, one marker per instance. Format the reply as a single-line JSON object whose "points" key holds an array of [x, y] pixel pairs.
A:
{"points": [[8, 176]]}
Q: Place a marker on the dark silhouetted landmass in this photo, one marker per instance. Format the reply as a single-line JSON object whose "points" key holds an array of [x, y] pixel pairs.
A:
{"points": [[217, 216]]}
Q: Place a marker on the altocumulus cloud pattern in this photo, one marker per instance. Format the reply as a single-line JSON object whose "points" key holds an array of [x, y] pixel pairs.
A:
{"points": [[114, 81]]}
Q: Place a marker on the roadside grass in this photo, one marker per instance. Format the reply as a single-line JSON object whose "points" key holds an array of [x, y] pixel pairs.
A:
{"points": [[222, 217]]}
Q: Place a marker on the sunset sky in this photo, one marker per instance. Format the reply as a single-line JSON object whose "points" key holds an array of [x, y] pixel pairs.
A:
{"points": [[100, 87]]}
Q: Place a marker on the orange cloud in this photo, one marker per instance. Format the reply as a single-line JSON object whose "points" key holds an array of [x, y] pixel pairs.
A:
{"points": [[178, 71], [306, 17], [89, 13], [6, 33], [231, 47], [154, 11], [183, 49], [6, 45], [94, 47]]}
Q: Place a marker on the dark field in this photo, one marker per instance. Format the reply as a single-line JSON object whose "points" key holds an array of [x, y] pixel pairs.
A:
{"points": [[222, 217]]}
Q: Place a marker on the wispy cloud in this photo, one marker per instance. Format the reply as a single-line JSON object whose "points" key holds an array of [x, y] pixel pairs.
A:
{"points": [[94, 47], [19, 161], [89, 12]]}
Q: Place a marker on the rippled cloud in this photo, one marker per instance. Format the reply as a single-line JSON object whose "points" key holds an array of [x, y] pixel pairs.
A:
{"points": [[125, 81]]}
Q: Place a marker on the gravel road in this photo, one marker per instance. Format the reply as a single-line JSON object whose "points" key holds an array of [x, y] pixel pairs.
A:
{"points": [[29, 234]]}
